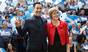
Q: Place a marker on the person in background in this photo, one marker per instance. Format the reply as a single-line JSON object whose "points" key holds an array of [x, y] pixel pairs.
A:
{"points": [[5, 34], [0, 18], [6, 18], [46, 14], [27, 13], [80, 41], [57, 33], [10, 48], [7, 21], [19, 41], [71, 43], [82, 16]]}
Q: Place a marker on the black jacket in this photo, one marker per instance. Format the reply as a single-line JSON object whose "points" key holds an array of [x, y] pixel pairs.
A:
{"points": [[37, 32]]}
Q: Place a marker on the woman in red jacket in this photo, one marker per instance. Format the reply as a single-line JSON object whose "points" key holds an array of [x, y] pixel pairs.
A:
{"points": [[57, 33]]}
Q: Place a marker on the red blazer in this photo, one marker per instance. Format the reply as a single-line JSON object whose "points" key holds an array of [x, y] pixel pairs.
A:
{"points": [[62, 30]]}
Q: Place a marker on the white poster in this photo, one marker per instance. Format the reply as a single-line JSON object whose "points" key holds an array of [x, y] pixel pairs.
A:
{"points": [[15, 2], [40, 0], [2, 5], [48, 1], [57, 1], [29, 1]]}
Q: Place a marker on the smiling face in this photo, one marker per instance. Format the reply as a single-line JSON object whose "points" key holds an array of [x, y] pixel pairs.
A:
{"points": [[54, 15], [38, 9]]}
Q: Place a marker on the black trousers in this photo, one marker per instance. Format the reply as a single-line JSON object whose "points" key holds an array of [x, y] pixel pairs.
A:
{"points": [[28, 50], [57, 49]]}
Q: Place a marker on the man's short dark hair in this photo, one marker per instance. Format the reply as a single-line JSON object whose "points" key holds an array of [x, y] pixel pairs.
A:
{"points": [[37, 3]]}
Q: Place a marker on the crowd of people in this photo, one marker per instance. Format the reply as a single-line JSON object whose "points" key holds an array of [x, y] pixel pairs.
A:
{"points": [[45, 27]]}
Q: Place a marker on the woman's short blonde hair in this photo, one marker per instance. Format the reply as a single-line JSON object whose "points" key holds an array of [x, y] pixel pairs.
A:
{"points": [[51, 10]]}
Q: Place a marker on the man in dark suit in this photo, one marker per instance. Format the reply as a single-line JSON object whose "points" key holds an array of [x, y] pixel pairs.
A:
{"points": [[36, 30]]}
